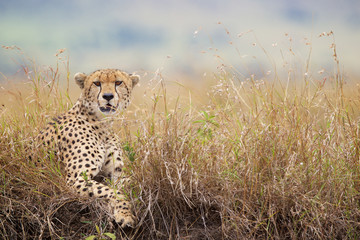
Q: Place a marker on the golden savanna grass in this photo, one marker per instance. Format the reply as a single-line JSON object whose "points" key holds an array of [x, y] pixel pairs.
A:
{"points": [[269, 158]]}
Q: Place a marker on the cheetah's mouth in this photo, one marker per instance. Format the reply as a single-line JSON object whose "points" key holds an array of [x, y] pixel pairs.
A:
{"points": [[108, 108]]}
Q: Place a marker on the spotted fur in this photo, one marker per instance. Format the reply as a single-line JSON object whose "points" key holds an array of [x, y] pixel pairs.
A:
{"points": [[84, 141]]}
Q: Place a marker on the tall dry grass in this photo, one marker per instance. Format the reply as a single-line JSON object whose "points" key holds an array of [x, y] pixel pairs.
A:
{"points": [[266, 158]]}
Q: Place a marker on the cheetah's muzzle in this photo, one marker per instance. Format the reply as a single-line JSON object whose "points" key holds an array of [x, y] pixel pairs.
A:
{"points": [[108, 108]]}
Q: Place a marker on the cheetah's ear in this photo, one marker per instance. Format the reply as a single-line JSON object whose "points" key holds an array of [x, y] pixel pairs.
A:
{"points": [[134, 78], [80, 79]]}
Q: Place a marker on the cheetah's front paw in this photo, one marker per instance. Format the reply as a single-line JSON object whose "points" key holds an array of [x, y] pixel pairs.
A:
{"points": [[125, 220]]}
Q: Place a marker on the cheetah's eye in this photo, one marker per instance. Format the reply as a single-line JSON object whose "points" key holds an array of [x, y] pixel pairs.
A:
{"points": [[118, 83], [98, 84]]}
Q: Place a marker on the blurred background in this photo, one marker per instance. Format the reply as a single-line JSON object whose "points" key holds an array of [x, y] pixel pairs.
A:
{"points": [[180, 38]]}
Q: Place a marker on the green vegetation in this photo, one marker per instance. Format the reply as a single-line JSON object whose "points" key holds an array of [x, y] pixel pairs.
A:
{"points": [[254, 159]]}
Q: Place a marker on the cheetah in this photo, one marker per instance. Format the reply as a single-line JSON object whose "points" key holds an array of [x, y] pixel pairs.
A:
{"points": [[85, 144]]}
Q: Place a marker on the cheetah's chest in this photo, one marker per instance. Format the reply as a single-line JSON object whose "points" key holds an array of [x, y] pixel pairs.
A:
{"points": [[82, 143]]}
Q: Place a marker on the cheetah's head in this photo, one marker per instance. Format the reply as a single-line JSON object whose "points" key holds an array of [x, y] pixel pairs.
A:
{"points": [[106, 91]]}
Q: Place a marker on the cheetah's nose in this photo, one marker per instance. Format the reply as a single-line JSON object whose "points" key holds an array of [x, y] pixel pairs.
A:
{"points": [[108, 96]]}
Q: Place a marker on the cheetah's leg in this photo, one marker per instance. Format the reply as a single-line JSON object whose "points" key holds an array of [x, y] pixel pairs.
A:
{"points": [[119, 206], [113, 166], [81, 179]]}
